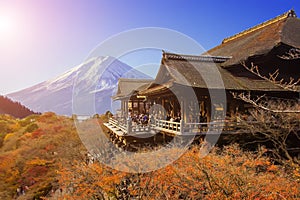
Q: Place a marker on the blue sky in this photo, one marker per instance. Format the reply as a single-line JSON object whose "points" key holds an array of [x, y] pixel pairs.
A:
{"points": [[40, 39]]}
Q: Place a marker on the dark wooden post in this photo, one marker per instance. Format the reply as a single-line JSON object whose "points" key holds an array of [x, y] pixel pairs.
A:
{"points": [[181, 126], [122, 108], [125, 109], [129, 125]]}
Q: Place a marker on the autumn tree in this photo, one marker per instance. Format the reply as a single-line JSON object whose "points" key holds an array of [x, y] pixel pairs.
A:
{"points": [[228, 173], [275, 121]]}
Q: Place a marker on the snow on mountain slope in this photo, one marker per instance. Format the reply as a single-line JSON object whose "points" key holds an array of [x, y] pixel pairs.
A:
{"points": [[98, 76]]}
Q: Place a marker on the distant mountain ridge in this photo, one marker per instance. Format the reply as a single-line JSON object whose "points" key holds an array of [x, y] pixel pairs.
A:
{"points": [[98, 75], [15, 109]]}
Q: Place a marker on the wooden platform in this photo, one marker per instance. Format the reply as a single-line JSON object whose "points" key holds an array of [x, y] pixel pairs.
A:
{"points": [[171, 128], [115, 129]]}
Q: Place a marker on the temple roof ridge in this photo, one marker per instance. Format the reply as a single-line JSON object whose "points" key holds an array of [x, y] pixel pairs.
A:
{"points": [[202, 58], [288, 14]]}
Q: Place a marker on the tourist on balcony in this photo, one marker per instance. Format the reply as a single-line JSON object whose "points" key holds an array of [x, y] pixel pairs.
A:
{"points": [[168, 118], [145, 120]]}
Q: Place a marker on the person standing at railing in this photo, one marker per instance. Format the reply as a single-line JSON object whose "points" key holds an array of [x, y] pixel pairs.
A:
{"points": [[151, 118], [168, 117], [129, 117], [172, 125], [177, 119], [172, 119], [145, 120]]}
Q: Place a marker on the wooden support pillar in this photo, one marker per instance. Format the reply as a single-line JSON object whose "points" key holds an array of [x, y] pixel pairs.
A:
{"points": [[126, 109], [129, 126], [181, 126], [175, 138], [163, 105], [209, 110], [182, 109], [122, 108], [186, 110]]}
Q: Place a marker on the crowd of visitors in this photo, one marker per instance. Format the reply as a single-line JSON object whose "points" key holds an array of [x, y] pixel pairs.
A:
{"points": [[145, 119]]}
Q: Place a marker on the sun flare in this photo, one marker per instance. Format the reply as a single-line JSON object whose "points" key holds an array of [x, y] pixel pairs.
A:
{"points": [[6, 26]]}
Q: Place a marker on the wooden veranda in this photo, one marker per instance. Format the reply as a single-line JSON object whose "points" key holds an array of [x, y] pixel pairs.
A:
{"points": [[127, 128]]}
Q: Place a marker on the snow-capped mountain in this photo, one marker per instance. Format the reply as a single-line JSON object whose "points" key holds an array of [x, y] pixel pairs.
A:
{"points": [[85, 89]]}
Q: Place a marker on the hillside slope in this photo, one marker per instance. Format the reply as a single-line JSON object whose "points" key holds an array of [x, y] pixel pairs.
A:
{"points": [[15, 109], [43, 155], [31, 152]]}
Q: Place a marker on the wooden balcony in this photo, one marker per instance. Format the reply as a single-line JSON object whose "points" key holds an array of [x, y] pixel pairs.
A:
{"points": [[173, 128]]}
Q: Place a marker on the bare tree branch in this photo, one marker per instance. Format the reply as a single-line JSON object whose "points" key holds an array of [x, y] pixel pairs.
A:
{"points": [[293, 54], [291, 85], [258, 103]]}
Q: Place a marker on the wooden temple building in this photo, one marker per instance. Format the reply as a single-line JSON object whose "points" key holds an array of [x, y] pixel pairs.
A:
{"points": [[197, 89], [127, 93]]}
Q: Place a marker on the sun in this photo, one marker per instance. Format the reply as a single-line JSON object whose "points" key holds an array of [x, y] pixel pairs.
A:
{"points": [[6, 25]]}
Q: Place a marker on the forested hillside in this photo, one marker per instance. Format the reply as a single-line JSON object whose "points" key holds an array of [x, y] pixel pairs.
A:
{"points": [[42, 157], [7, 106]]}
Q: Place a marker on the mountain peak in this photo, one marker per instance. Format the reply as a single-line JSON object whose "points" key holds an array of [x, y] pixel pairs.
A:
{"points": [[97, 75]]}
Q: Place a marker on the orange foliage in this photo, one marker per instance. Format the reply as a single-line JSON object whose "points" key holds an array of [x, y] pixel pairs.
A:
{"points": [[55, 159], [49, 147], [37, 133], [229, 173]]}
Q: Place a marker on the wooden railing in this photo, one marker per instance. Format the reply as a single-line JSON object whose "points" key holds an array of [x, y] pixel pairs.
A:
{"points": [[167, 125], [117, 124], [179, 128], [216, 127], [140, 128], [129, 127]]}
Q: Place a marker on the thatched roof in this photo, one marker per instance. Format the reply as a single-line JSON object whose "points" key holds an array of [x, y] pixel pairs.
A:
{"points": [[202, 72], [212, 69], [127, 86], [260, 39]]}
